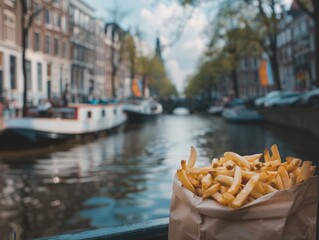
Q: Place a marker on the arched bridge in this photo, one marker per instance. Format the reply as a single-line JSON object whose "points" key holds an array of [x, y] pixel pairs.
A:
{"points": [[169, 104]]}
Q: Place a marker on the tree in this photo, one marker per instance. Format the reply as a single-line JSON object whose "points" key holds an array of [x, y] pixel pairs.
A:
{"points": [[268, 14], [28, 13], [311, 7]]}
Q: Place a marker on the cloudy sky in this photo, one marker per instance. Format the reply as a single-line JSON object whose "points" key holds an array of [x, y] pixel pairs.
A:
{"points": [[165, 18]]}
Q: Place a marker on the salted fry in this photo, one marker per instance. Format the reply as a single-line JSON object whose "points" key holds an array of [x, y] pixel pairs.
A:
{"points": [[275, 152], [241, 197], [238, 159], [196, 171], [293, 165], [228, 197], [252, 158], [223, 172], [219, 198], [192, 158], [279, 183], [222, 189], [275, 163], [183, 178], [183, 165], [225, 180], [284, 177], [255, 194], [304, 172], [207, 180], [293, 179], [267, 155], [236, 181], [193, 180], [211, 190]]}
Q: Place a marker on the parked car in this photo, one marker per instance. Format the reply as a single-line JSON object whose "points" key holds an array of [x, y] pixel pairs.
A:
{"points": [[259, 102], [311, 98], [283, 99]]}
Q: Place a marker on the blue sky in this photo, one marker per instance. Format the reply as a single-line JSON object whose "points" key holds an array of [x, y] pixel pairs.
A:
{"points": [[163, 17]]}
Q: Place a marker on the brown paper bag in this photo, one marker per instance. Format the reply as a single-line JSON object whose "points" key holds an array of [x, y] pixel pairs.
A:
{"points": [[285, 215]]}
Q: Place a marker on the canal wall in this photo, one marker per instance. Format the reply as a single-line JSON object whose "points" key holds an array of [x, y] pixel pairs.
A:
{"points": [[306, 119]]}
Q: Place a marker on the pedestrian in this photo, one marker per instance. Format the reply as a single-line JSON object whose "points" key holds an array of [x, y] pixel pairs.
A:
{"points": [[66, 95], [1, 114]]}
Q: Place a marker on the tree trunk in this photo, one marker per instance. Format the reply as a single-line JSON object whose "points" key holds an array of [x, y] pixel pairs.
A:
{"points": [[144, 85], [275, 70], [24, 35], [235, 83]]}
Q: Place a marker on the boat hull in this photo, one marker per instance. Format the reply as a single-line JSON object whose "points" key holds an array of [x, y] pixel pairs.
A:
{"points": [[136, 117]]}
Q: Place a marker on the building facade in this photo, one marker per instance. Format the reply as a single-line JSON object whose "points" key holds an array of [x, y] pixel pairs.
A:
{"points": [[11, 85], [82, 39], [48, 52]]}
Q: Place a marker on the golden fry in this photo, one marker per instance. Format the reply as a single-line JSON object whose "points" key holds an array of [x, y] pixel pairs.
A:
{"points": [[305, 172], [193, 180], [192, 158], [225, 180], [183, 165], [275, 152], [284, 177], [228, 197], [183, 178], [219, 198], [238, 159], [241, 197], [197, 171], [207, 181], [251, 158], [236, 181], [211, 190], [267, 155]]}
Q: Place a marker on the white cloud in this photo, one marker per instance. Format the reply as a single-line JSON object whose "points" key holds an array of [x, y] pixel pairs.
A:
{"points": [[182, 57]]}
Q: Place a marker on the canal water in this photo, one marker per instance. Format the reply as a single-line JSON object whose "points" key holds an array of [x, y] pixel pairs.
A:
{"points": [[125, 177]]}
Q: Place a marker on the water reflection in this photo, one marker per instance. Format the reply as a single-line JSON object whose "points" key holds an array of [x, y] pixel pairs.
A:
{"points": [[125, 177]]}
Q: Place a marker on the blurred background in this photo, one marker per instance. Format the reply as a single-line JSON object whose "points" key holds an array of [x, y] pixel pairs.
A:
{"points": [[100, 100]]}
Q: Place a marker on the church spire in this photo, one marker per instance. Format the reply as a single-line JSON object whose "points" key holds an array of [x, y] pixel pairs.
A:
{"points": [[158, 48]]}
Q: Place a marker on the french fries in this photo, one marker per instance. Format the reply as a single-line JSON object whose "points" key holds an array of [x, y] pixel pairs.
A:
{"points": [[234, 180]]}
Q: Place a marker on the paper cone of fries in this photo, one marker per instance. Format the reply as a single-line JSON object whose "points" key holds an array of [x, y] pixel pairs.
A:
{"points": [[243, 197]]}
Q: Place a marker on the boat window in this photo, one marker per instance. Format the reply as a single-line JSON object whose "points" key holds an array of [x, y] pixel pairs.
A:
{"points": [[114, 110], [103, 113], [89, 114]]}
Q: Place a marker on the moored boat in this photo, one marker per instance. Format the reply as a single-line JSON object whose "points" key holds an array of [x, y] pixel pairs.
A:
{"points": [[241, 114], [59, 124], [139, 110]]}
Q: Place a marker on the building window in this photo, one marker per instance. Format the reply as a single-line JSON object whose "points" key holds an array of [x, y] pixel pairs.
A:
{"points": [[47, 15], [37, 41], [56, 46], [13, 74], [28, 72], [49, 70], [65, 50], [47, 44], [9, 26], [37, 11], [64, 24], [39, 76]]}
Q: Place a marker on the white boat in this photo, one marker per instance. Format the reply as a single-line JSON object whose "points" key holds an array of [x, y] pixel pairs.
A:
{"points": [[215, 110], [59, 124], [241, 114], [139, 110]]}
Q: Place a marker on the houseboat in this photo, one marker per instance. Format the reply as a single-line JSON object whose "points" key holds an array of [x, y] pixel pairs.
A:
{"points": [[140, 110], [58, 124]]}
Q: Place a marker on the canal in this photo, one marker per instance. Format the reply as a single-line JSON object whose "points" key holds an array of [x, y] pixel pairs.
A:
{"points": [[125, 177]]}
